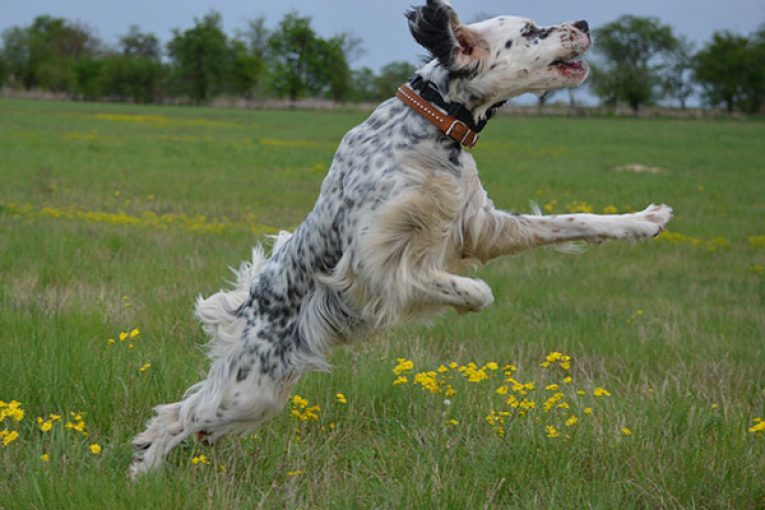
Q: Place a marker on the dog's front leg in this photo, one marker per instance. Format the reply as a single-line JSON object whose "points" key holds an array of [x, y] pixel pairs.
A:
{"points": [[494, 233], [464, 294]]}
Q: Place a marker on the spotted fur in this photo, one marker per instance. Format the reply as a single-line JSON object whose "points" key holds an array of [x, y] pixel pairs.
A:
{"points": [[400, 213]]}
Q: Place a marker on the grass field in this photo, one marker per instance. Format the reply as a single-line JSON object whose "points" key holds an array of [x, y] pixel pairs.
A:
{"points": [[114, 218]]}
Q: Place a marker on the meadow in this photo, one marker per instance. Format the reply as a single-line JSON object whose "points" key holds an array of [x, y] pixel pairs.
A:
{"points": [[627, 376]]}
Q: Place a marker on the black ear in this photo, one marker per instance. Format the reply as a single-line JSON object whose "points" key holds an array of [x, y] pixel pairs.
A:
{"points": [[431, 26], [438, 29]]}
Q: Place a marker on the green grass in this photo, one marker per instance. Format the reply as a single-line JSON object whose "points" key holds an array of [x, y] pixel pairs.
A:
{"points": [[107, 205]]}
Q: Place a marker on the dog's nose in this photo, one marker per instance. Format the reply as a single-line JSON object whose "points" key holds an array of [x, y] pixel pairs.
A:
{"points": [[583, 26]]}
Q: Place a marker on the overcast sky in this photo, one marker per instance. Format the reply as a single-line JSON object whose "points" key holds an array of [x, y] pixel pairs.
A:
{"points": [[380, 24]]}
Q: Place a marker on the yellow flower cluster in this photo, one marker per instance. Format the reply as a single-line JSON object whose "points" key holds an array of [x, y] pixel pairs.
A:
{"points": [[563, 360], [555, 411], [12, 412], [302, 411], [125, 336], [713, 244], [756, 242], [580, 206], [147, 219], [200, 459], [77, 423], [46, 425], [758, 427]]}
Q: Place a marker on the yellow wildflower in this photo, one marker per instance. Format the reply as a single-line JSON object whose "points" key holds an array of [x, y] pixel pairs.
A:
{"points": [[8, 436], [200, 459], [428, 381], [123, 336], [404, 365], [54, 417], [297, 472], [581, 392], [492, 365], [610, 209], [341, 398], [601, 392], [452, 422], [45, 425], [450, 392], [759, 426], [527, 404], [571, 421], [502, 390], [400, 380], [144, 367], [552, 431], [95, 448], [588, 410], [45, 457], [299, 401], [134, 332], [567, 380], [110, 341], [11, 410], [552, 387], [626, 431], [441, 369]]}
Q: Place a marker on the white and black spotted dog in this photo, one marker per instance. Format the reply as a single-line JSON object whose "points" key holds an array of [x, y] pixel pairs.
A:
{"points": [[400, 212]]}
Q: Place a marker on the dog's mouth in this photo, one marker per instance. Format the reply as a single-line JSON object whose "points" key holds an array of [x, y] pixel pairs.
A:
{"points": [[572, 67]]}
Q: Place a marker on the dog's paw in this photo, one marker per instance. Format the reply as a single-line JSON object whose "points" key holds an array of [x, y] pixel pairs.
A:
{"points": [[476, 293], [649, 222]]}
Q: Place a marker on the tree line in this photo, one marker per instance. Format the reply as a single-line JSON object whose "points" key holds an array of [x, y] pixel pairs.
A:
{"points": [[290, 60], [637, 61], [640, 61]]}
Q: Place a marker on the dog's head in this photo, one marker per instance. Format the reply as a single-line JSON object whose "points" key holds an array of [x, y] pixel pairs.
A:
{"points": [[502, 57]]}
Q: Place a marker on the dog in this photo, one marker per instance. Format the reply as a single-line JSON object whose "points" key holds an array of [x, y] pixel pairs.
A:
{"points": [[400, 213]]}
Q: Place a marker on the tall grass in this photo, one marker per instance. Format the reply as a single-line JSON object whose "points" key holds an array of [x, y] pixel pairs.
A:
{"points": [[116, 217]]}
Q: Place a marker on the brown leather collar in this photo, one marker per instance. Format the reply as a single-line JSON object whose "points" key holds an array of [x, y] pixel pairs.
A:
{"points": [[451, 127]]}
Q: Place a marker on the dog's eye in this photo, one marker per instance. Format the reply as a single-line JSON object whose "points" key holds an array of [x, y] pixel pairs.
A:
{"points": [[530, 30]]}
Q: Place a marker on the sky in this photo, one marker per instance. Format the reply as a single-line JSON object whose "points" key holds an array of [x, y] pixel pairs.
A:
{"points": [[380, 24]]}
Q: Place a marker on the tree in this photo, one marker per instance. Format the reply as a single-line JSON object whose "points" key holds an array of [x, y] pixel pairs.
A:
{"points": [[363, 85], [244, 69], [721, 68], [391, 76], [294, 50], [677, 82], [634, 52], [335, 74], [134, 72], [43, 54], [140, 44], [199, 58]]}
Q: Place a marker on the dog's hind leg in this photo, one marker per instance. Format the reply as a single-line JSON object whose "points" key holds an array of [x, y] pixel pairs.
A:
{"points": [[163, 432]]}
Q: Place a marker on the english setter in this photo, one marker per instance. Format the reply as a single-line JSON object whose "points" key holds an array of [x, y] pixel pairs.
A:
{"points": [[400, 212]]}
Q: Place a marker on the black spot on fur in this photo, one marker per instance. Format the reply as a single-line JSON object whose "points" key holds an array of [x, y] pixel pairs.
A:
{"points": [[242, 373], [509, 44]]}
